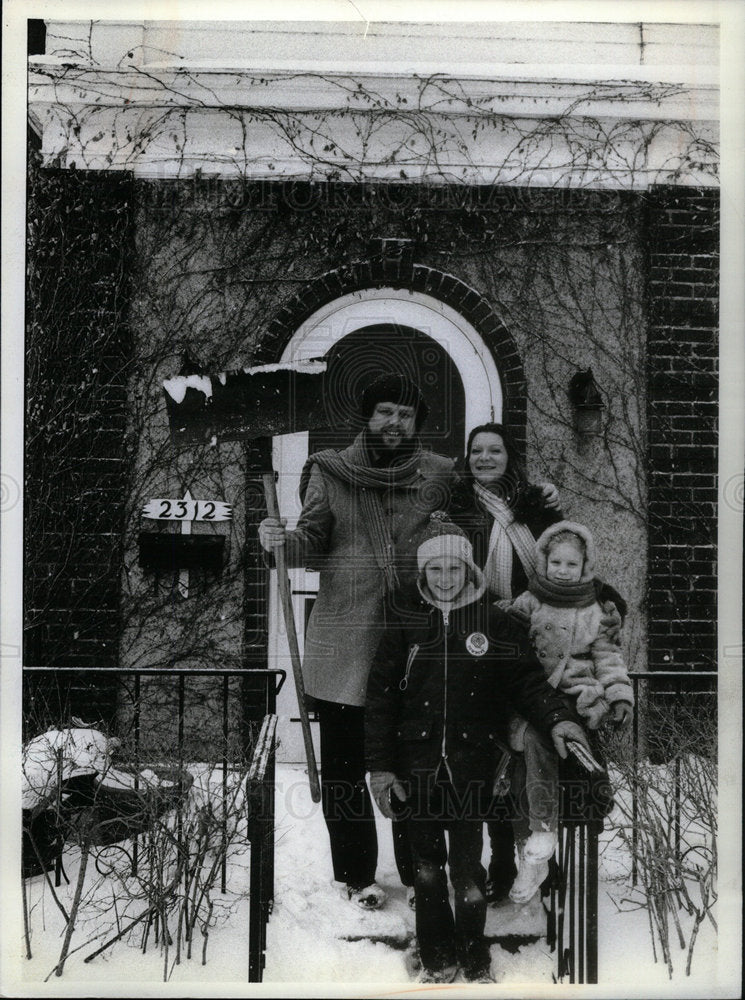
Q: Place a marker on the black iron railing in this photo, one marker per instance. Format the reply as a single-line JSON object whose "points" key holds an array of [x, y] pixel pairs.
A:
{"points": [[260, 794], [573, 913], [255, 745]]}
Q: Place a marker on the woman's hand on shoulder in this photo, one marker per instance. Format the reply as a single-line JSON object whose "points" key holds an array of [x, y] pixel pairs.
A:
{"points": [[538, 501], [550, 495]]}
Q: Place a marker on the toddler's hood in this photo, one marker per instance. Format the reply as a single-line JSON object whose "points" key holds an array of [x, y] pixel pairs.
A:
{"points": [[542, 544]]}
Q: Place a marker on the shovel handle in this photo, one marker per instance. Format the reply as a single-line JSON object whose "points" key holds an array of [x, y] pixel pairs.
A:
{"points": [[272, 506]]}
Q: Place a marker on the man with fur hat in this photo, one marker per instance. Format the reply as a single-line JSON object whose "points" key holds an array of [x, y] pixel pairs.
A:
{"points": [[363, 509], [449, 671]]}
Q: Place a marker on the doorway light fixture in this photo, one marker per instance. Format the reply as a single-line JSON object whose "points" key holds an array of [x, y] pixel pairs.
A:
{"points": [[587, 403]]}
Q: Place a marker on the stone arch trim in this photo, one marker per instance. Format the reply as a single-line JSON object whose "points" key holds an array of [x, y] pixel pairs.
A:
{"points": [[396, 272]]}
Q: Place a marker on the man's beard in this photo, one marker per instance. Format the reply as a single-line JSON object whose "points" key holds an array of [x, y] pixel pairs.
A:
{"points": [[383, 454]]}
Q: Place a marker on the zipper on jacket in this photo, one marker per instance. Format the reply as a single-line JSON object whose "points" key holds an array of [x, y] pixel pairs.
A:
{"points": [[446, 624], [404, 682]]}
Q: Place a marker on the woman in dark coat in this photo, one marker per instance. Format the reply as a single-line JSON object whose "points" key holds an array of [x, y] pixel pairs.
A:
{"points": [[500, 511]]}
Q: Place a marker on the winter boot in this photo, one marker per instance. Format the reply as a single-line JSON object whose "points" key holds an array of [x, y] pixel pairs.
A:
{"points": [[483, 975], [370, 897], [534, 855], [446, 975], [413, 960], [540, 846]]}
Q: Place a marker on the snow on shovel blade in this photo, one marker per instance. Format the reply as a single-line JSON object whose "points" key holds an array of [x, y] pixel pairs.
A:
{"points": [[250, 403]]}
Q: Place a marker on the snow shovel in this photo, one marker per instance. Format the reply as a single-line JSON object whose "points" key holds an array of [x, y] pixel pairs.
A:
{"points": [[254, 405]]}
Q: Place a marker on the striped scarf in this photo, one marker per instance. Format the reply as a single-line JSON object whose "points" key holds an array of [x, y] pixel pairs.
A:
{"points": [[508, 537], [352, 466], [560, 594]]}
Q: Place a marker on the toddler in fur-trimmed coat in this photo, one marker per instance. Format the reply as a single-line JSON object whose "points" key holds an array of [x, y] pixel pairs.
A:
{"points": [[570, 631], [575, 640]]}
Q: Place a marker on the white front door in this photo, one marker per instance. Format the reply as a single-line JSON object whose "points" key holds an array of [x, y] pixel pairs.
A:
{"points": [[289, 452]]}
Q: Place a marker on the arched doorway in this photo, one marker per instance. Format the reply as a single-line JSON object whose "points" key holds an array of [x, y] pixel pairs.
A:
{"points": [[390, 347], [362, 333]]}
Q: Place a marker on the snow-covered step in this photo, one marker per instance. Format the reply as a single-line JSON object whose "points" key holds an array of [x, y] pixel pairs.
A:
{"points": [[511, 920]]}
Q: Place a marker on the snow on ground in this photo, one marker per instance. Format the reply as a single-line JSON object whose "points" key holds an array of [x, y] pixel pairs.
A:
{"points": [[314, 936]]}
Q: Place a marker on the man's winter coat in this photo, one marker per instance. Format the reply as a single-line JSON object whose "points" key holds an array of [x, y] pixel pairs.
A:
{"points": [[346, 623], [443, 687]]}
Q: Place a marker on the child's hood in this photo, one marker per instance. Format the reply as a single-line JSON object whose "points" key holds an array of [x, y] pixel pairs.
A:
{"points": [[543, 542]]}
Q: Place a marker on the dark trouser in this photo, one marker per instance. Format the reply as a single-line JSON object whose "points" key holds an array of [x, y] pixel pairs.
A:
{"points": [[347, 807], [502, 867], [445, 939]]}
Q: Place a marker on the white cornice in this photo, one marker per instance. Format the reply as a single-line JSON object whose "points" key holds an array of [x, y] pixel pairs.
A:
{"points": [[530, 96], [160, 98], [456, 48]]}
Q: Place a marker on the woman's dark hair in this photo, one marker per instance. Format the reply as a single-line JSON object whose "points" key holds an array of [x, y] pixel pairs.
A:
{"points": [[514, 483]]}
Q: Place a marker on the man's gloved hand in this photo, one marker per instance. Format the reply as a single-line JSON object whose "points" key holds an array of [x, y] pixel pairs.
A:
{"points": [[272, 533], [564, 731], [382, 785], [621, 713]]}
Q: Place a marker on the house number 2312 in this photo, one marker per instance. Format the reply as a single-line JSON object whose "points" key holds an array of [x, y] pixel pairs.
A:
{"points": [[187, 510]]}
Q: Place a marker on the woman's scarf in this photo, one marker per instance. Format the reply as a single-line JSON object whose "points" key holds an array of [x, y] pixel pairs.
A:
{"points": [[352, 466], [562, 595], [508, 537]]}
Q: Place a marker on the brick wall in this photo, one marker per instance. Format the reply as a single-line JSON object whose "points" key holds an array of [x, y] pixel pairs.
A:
{"points": [[682, 420], [76, 470]]}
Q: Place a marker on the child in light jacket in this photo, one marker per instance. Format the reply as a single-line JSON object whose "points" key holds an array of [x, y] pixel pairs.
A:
{"points": [[575, 641]]}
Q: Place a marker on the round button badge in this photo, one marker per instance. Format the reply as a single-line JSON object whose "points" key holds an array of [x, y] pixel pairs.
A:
{"points": [[477, 644]]}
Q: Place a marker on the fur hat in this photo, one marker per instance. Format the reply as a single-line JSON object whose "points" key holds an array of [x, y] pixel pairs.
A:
{"points": [[393, 388], [549, 536], [442, 538]]}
